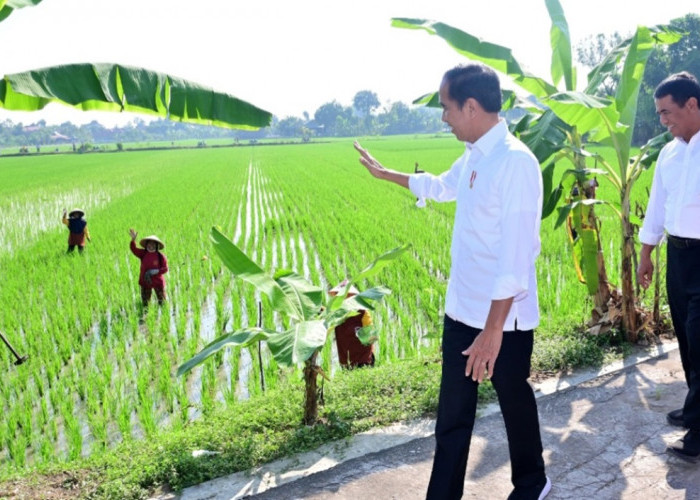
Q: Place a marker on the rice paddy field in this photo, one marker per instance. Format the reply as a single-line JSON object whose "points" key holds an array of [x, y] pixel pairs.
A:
{"points": [[101, 370]]}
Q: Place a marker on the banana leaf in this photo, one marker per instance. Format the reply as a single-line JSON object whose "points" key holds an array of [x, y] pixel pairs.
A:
{"points": [[496, 56], [247, 270], [560, 41], [379, 263], [307, 296], [244, 337], [298, 344], [115, 87]]}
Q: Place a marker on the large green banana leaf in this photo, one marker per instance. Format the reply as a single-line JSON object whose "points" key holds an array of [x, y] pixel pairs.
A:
{"points": [[114, 87], [498, 57], [242, 337], [337, 314], [298, 344], [8, 6], [284, 299], [543, 133], [560, 41], [379, 263], [308, 297]]}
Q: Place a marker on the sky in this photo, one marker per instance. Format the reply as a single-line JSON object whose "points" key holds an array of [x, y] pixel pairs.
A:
{"points": [[290, 57]]}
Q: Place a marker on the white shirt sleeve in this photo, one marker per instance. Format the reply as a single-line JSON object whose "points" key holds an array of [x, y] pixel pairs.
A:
{"points": [[521, 191], [652, 230], [441, 187]]}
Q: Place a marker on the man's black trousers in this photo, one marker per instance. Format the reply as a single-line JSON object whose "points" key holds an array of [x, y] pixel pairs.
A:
{"points": [[457, 411], [683, 287]]}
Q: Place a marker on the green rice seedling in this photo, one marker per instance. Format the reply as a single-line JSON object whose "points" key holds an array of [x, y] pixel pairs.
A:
{"points": [[73, 432], [165, 386], [17, 448], [46, 450], [124, 417], [98, 426], [146, 413]]}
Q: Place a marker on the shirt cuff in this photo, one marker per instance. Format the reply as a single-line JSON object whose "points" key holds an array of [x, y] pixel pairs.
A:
{"points": [[509, 286], [649, 238]]}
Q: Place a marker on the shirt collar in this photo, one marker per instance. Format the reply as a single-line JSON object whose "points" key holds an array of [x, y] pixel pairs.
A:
{"points": [[490, 139], [695, 138]]}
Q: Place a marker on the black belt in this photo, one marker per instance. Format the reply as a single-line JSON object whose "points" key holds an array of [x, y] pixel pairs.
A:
{"points": [[683, 242]]}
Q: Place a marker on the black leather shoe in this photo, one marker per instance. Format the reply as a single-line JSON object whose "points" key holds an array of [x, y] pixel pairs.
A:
{"points": [[675, 417], [688, 447]]}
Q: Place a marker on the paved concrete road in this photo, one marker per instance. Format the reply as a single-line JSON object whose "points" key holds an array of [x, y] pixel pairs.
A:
{"points": [[604, 438]]}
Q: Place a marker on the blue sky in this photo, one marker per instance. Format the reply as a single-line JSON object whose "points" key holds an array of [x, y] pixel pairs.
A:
{"points": [[290, 57]]}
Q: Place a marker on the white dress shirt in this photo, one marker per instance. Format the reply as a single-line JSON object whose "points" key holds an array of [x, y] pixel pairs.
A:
{"points": [[674, 202], [497, 184]]}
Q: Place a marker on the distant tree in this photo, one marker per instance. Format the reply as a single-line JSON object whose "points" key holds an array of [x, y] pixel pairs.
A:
{"points": [[327, 117], [364, 102], [402, 119], [290, 127]]}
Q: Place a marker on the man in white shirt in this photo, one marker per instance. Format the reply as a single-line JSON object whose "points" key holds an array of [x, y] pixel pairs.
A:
{"points": [[674, 208], [491, 305]]}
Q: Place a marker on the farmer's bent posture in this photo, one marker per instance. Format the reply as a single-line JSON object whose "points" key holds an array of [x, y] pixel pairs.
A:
{"points": [[154, 265], [77, 229], [491, 305], [352, 353]]}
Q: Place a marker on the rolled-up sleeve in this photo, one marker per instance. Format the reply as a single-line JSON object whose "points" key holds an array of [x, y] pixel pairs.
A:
{"points": [[439, 188], [521, 191]]}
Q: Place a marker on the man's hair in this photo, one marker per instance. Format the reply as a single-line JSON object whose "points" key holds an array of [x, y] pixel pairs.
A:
{"points": [[476, 81], [680, 86]]}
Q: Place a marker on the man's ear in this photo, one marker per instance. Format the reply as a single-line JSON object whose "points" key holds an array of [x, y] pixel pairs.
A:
{"points": [[472, 106], [692, 103]]}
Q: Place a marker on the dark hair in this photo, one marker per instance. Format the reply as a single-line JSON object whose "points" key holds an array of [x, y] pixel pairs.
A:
{"points": [[476, 81], [680, 86]]}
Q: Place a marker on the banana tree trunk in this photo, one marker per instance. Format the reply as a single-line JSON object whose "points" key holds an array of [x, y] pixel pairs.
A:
{"points": [[311, 384], [629, 310], [602, 295]]}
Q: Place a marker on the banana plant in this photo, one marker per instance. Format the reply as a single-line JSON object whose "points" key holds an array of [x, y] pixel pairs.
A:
{"points": [[583, 119], [116, 87], [310, 312]]}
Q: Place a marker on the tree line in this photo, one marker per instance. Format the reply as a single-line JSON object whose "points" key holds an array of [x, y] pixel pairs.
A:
{"points": [[363, 117]]}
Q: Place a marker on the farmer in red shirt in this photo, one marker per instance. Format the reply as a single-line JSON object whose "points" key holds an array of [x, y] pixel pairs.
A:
{"points": [[153, 266]]}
